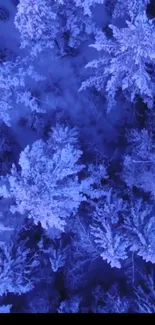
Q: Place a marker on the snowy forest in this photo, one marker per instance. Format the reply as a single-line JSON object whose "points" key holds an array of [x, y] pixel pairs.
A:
{"points": [[77, 156]]}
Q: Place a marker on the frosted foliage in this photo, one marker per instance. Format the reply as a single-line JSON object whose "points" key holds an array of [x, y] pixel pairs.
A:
{"points": [[11, 80], [110, 301], [87, 4], [140, 226], [13, 76], [145, 295], [112, 246], [48, 187], [139, 162], [36, 23], [131, 8], [126, 62], [15, 270], [45, 24], [76, 25]]}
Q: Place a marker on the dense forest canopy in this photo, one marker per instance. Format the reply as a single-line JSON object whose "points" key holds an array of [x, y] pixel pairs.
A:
{"points": [[77, 156]]}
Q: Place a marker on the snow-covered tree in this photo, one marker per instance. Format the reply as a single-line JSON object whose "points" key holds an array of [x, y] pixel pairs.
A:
{"points": [[145, 295], [109, 302], [16, 268], [55, 253], [85, 4], [75, 22], [54, 23], [130, 8], [74, 26], [140, 228], [13, 87], [112, 245], [48, 188], [126, 63], [37, 24], [139, 161]]}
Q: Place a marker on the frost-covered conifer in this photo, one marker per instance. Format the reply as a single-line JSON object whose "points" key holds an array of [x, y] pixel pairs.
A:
{"points": [[13, 88], [16, 269], [139, 161], [130, 8], [126, 62], [140, 229], [36, 22], [48, 188], [112, 245]]}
